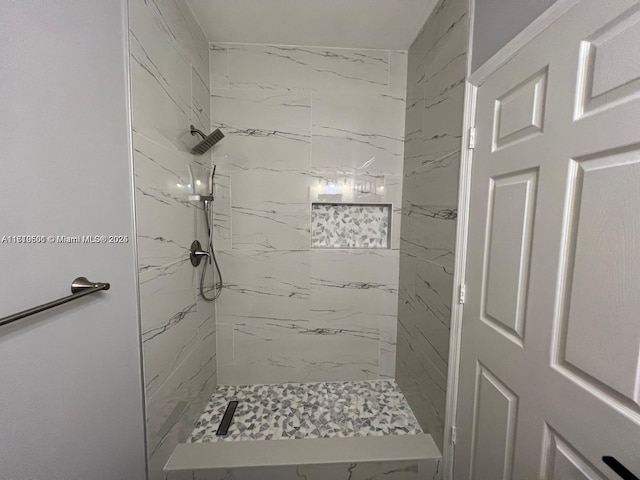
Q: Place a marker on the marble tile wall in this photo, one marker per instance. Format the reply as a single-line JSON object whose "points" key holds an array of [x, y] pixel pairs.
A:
{"points": [[170, 90], [434, 111], [383, 470], [303, 125]]}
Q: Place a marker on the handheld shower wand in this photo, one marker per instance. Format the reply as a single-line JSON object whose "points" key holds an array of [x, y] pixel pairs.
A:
{"points": [[208, 213]]}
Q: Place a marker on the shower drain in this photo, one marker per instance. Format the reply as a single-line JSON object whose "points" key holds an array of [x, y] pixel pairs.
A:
{"points": [[227, 418]]}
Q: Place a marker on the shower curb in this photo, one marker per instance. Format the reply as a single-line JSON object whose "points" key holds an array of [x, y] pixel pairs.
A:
{"points": [[401, 457]]}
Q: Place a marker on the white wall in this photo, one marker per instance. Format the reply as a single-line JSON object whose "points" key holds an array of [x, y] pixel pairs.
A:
{"points": [[71, 390], [170, 90], [495, 22], [296, 119], [435, 98]]}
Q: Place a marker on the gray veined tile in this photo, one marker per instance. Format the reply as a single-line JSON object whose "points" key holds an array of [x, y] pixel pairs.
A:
{"points": [[263, 129], [264, 284], [200, 102], [165, 217], [169, 320], [224, 352], [218, 66], [191, 38], [222, 211], [160, 78], [270, 210], [414, 125], [428, 232], [364, 280], [398, 73], [442, 125], [448, 21], [272, 67], [358, 131], [435, 77], [435, 183], [175, 407], [275, 351], [388, 340], [393, 195]]}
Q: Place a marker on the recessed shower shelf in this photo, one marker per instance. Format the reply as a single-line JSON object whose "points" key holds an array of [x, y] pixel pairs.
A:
{"points": [[350, 225]]}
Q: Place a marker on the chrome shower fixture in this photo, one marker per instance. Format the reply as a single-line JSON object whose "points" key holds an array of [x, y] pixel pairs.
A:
{"points": [[207, 141]]}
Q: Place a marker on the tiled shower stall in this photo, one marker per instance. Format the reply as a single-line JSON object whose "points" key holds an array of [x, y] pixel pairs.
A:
{"points": [[304, 124], [334, 223]]}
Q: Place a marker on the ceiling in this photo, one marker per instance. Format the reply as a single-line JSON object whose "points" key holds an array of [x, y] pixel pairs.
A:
{"points": [[379, 24]]}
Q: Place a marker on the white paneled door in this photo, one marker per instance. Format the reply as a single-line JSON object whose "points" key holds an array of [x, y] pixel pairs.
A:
{"points": [[549, 371]]}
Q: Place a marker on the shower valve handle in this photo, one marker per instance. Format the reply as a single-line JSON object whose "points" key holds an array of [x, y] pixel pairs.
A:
{"points": [[197, 253]]}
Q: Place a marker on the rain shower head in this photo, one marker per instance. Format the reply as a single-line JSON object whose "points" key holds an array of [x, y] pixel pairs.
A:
{"points": [[207, 141]]}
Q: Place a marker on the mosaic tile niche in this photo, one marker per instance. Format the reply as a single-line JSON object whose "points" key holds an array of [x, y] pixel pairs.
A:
{"points": [[350, 225]]}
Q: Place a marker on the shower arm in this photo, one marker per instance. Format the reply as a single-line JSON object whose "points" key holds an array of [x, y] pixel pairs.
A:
{"points": [[194, 130]]}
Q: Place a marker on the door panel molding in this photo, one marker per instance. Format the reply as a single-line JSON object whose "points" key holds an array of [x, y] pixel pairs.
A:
{"points": [[623, 392], [519, 113], [497, 283], [599, 84], [494, 403], [561, 460]]}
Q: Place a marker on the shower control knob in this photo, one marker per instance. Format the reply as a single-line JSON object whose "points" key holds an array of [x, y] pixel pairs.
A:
{"points": [[197, 253]]}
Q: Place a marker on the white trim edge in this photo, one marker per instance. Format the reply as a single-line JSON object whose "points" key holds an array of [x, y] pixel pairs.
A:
{"points": [[455, 338]]}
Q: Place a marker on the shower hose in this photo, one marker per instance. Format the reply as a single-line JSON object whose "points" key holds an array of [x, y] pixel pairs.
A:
{"points": [[217, 286]]}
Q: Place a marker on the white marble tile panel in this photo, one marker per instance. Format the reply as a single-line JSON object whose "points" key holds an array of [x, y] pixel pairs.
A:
{"points": [[264, 285], [222, 211], [332, 185], [424, 389], [200, 104], [433, 302], [414, 123], [428, 232], [174, 409], [164, 215], [358, 131], [274, 352], [398, 73], [272, 67], [169, 320], [263, 129], [160, 78], [365, 281], [155, 27], [224, 352], [270, 210], [442, 126], [161, 404], [191, 39], [390, 470], [393, 195], [448, 20], [435, 183], [218, 66], [435, 77], [388, 340]]}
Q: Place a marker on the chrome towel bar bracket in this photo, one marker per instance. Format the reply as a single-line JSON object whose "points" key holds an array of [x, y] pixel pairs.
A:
{"points": [[79, 288]]}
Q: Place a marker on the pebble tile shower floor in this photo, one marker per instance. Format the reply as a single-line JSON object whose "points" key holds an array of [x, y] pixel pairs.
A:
{"points": [[308, 410]]}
